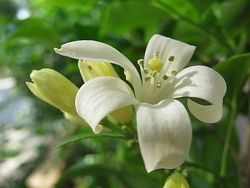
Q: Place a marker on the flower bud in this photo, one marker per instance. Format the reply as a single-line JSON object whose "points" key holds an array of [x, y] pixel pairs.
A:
{"points": [[55, 89], [89, 70], [123, 115], [176, 180]]}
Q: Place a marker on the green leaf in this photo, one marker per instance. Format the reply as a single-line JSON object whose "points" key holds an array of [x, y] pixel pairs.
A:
{"points": [[81, 170], [122, 17], [228, 12], [33, 30], [79, 137], [177, 8], [235, 71]]}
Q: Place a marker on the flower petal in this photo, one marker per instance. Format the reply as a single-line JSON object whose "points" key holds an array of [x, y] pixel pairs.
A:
{"points": [[168, 47], [164, 132], [206, 113], [204, 83], [100, 96], [99, 52]]}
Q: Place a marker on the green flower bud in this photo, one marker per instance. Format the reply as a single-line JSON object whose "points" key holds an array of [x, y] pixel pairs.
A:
{"points": [[91, 70], [176, 180], [123, 115], [53, 88]]}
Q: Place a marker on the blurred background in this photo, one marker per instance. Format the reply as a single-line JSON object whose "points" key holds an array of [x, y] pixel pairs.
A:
{"points": [[30, 129]]}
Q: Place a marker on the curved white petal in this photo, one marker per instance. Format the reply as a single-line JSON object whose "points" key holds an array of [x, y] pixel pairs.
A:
{"points": [[204, 83], [164, 132], [206, 113], [168, 47], [99, 52], [100, 96]]}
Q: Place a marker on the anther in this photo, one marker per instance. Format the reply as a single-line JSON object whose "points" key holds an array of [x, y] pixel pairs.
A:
{"points": [[173, 72], [165, 77], [156, 53], [90, 67], [158, 84], [140, 61], [154, 73], [146, 71], [147, 78], [171, 58]]}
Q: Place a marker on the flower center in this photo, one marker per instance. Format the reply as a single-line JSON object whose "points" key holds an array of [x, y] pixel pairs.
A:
{"points": [[155, 63], [155, 78]]}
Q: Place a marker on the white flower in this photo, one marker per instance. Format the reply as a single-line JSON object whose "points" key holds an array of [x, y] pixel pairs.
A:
{"points": [[163, 124]]}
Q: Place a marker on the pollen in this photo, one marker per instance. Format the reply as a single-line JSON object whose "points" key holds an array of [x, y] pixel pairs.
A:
{"points": [[155, 64]]}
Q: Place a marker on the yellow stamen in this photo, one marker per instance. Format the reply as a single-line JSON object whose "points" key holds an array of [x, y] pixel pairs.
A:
{"points": [[140, 61]]}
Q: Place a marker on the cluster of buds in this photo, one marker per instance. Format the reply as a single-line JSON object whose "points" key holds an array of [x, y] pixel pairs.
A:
{"points": [[55, 89]]}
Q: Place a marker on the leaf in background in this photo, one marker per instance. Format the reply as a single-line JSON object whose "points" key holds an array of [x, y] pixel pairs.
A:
{"points": [[79, 137], [68, 4], [7, 10], [228, 12], [201, 6], [122, 17], [82, 169], [188, 33], [235, 71], [178, 8], [33, 30]]}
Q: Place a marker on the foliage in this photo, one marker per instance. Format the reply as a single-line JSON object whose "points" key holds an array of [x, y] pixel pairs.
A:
{"points": [[219, 29]]}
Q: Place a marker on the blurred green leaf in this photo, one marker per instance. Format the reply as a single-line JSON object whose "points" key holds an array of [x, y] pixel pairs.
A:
{"points": [[122, 17], [79, 137], [228, 12], [33, 30], [235, 71], [179, 8], [81, 169]]}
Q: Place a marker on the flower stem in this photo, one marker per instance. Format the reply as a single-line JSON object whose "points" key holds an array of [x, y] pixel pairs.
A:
{"points": [[228, 138]]}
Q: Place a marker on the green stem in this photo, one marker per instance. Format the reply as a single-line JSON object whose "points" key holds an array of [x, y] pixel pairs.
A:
{"points": [[228, 138]]}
